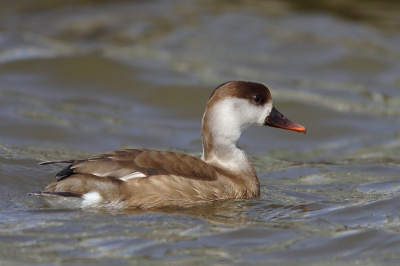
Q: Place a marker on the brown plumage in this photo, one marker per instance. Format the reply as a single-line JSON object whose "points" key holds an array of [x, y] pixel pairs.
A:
{"points": [[142, 178]]}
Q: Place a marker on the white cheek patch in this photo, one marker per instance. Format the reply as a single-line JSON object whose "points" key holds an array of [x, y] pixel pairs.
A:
{"points": [[132, 175], [234, 115], [91, 198], [267, 110]]}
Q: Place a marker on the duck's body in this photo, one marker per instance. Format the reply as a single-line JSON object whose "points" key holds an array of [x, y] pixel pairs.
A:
{"points": [[135, 178]]}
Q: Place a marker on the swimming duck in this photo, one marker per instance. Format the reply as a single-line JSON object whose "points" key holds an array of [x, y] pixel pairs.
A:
{"points": [[143, 178]]}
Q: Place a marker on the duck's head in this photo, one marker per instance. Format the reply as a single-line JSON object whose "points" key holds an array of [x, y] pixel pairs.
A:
{"points": [[236, 105]]}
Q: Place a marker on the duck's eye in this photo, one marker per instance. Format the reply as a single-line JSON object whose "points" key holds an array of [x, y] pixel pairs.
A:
{"points": [[256, 99]]}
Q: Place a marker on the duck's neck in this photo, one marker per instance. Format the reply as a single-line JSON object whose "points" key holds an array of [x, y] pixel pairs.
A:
{"points": [[220, 138]]}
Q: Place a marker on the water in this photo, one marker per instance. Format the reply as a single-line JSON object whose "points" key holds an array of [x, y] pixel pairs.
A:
{"points": [[85, 78]]}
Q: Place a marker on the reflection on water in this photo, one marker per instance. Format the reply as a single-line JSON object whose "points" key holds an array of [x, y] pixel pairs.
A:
{"points": [[92, 76]]}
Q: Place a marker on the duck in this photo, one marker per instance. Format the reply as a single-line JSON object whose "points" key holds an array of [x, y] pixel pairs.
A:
{"points": [[148, 179]]}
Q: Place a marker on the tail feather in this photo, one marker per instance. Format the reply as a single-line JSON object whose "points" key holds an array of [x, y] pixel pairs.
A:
{"points": [[54, 162], [60, 200], [48, 193], [67, 171]]}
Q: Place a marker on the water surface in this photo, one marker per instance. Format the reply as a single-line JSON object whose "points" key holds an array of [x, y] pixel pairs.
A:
{"points": [[91, 77]]}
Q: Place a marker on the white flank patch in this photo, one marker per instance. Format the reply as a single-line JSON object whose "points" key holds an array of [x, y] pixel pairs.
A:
{"points": [[91, 198], [132, 175]]}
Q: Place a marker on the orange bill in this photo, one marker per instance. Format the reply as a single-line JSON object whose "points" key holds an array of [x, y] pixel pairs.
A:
{"points": [[276, 119]]}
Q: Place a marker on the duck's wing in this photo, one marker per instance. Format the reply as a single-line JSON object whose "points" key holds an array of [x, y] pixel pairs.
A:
{"points": [[131, 178], [138, 163]]}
